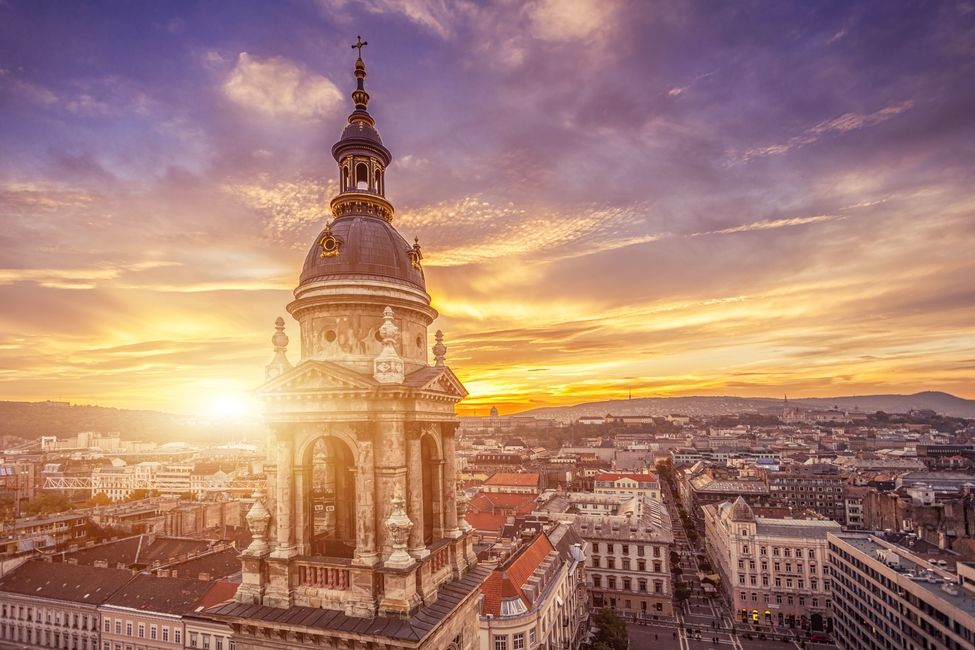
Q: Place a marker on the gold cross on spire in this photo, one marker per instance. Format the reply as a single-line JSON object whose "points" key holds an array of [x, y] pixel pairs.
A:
{"points": [[359, 44]]}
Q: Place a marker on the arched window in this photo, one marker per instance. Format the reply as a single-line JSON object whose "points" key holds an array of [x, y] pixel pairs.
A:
{"points": [[345, 178], [379, 181], [362, 176]]}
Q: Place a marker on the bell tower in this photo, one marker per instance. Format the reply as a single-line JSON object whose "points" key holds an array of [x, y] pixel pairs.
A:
{"points": [[361, 516]]}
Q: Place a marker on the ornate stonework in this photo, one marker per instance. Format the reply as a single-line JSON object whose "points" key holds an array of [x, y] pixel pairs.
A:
{"points": [[361, 518]]}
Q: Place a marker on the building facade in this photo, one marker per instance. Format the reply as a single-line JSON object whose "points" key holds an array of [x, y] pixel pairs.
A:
{"points": [[886, 597], [537, 597], [628, 565], [642, 485], [772, 570], [819, 487], [364, 425]]}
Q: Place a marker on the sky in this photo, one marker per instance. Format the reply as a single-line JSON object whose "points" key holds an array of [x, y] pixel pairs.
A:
{"points": [[613, 198]]}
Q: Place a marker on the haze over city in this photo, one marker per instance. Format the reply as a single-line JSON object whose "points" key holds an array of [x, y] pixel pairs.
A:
{"points": [[693, 199]]}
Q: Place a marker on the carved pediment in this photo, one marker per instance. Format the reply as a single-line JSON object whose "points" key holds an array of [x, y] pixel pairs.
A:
{"points": [[437, 379], [313, 375]]}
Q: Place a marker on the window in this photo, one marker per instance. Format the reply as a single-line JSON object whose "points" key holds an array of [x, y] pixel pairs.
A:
{"points": [[206, 641], [641, 565], [814, 584], [611, 581], [142, 630], [626, 550], [194, 641], [518, 641], [532, 639], [765, 581], [788, 552], [656, 551], [128, 629], [764, 565], [642, 583], [815, 602], [778, 567], [812, 554], [744, 549], [802, 601], [177, 635], [778, 582], [741, 564], [751, 580], [775, 551], [763, 550], [597, 582], [118, 626], [165, 634], [218, 642], [595, 547], [640, 551], [500, 643], [657, 566], [153, 632], [108, 625], [658, 586], [626, 584]]}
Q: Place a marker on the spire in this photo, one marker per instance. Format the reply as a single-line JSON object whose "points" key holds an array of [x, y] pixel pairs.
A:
{"points": [[359, 96], [361, 156], [439, 350]]}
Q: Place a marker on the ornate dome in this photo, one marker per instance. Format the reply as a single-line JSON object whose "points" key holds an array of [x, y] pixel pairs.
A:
{"points": [[741, 511], [367, 247]]}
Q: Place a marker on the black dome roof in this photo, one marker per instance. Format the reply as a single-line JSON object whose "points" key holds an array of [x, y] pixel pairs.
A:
{"points": [[370, 248]]}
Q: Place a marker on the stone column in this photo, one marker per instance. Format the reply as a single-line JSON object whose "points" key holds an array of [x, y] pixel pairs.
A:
{"points": [[447, 430], [304, 515], [438, 499], [365, 493], [284, 501], [414, 481], [390, 450]]}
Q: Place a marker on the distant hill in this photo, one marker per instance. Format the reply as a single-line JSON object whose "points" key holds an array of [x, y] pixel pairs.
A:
{"points": [[942, 403], [31, 420]]}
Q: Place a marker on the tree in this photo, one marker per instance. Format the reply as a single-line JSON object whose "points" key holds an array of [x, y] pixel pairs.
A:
{"points": [[100, 499], [46, 504], [611, 633]]}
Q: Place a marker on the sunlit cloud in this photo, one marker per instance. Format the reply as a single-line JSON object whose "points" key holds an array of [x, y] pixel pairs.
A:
{"points": [[842, 124], [573, 171], [280, 88]]}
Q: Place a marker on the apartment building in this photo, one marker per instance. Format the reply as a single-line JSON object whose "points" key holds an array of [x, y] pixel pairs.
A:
{"points": [[773, 569], [885, 597], [50, 605]]}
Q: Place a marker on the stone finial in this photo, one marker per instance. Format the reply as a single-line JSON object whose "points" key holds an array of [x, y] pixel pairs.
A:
{"points": [[258, 519], [439, 350], [388, 366], [279, 364], [398, 525]]}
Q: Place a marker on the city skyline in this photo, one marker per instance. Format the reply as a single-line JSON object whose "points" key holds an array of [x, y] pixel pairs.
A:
{"points": [[690, 200]]}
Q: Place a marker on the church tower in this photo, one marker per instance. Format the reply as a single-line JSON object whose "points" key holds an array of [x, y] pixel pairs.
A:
{"points": [[360, 535]]}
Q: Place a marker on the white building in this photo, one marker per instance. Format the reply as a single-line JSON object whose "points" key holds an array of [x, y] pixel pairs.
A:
{"points": [[536, 598], [773, 570], [643, 485]]}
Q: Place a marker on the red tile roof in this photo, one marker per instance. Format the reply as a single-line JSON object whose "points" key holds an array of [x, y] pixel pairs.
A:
{"points": [[610, 476], [485, 522], [501, 501], [507, 581], [530, 479]]}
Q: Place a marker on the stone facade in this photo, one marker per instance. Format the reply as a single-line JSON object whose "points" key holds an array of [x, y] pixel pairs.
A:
{"points": [[358, 535]]}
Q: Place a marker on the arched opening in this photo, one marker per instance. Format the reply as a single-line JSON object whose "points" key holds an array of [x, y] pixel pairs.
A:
{"points": [[362, 176], [345, 178], [379, 182], [330, 499], [431, 466]]}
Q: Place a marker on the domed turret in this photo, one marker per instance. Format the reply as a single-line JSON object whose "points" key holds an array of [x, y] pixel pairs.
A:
{"points": [[359, 264]]}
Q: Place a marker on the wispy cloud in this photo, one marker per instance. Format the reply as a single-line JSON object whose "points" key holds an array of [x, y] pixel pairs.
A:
{"points": [[280, 88], [770, 224], [842, 124]]}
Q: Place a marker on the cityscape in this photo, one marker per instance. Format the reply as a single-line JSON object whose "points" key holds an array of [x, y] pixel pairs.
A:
{"points": [[659, 335]]}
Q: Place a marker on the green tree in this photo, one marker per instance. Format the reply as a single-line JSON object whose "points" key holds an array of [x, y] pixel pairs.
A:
{"points": [[611, 631], [100, 499], [46, 504]]}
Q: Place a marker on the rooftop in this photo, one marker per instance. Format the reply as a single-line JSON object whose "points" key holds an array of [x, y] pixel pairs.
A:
{"points": [[77, 584]]}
